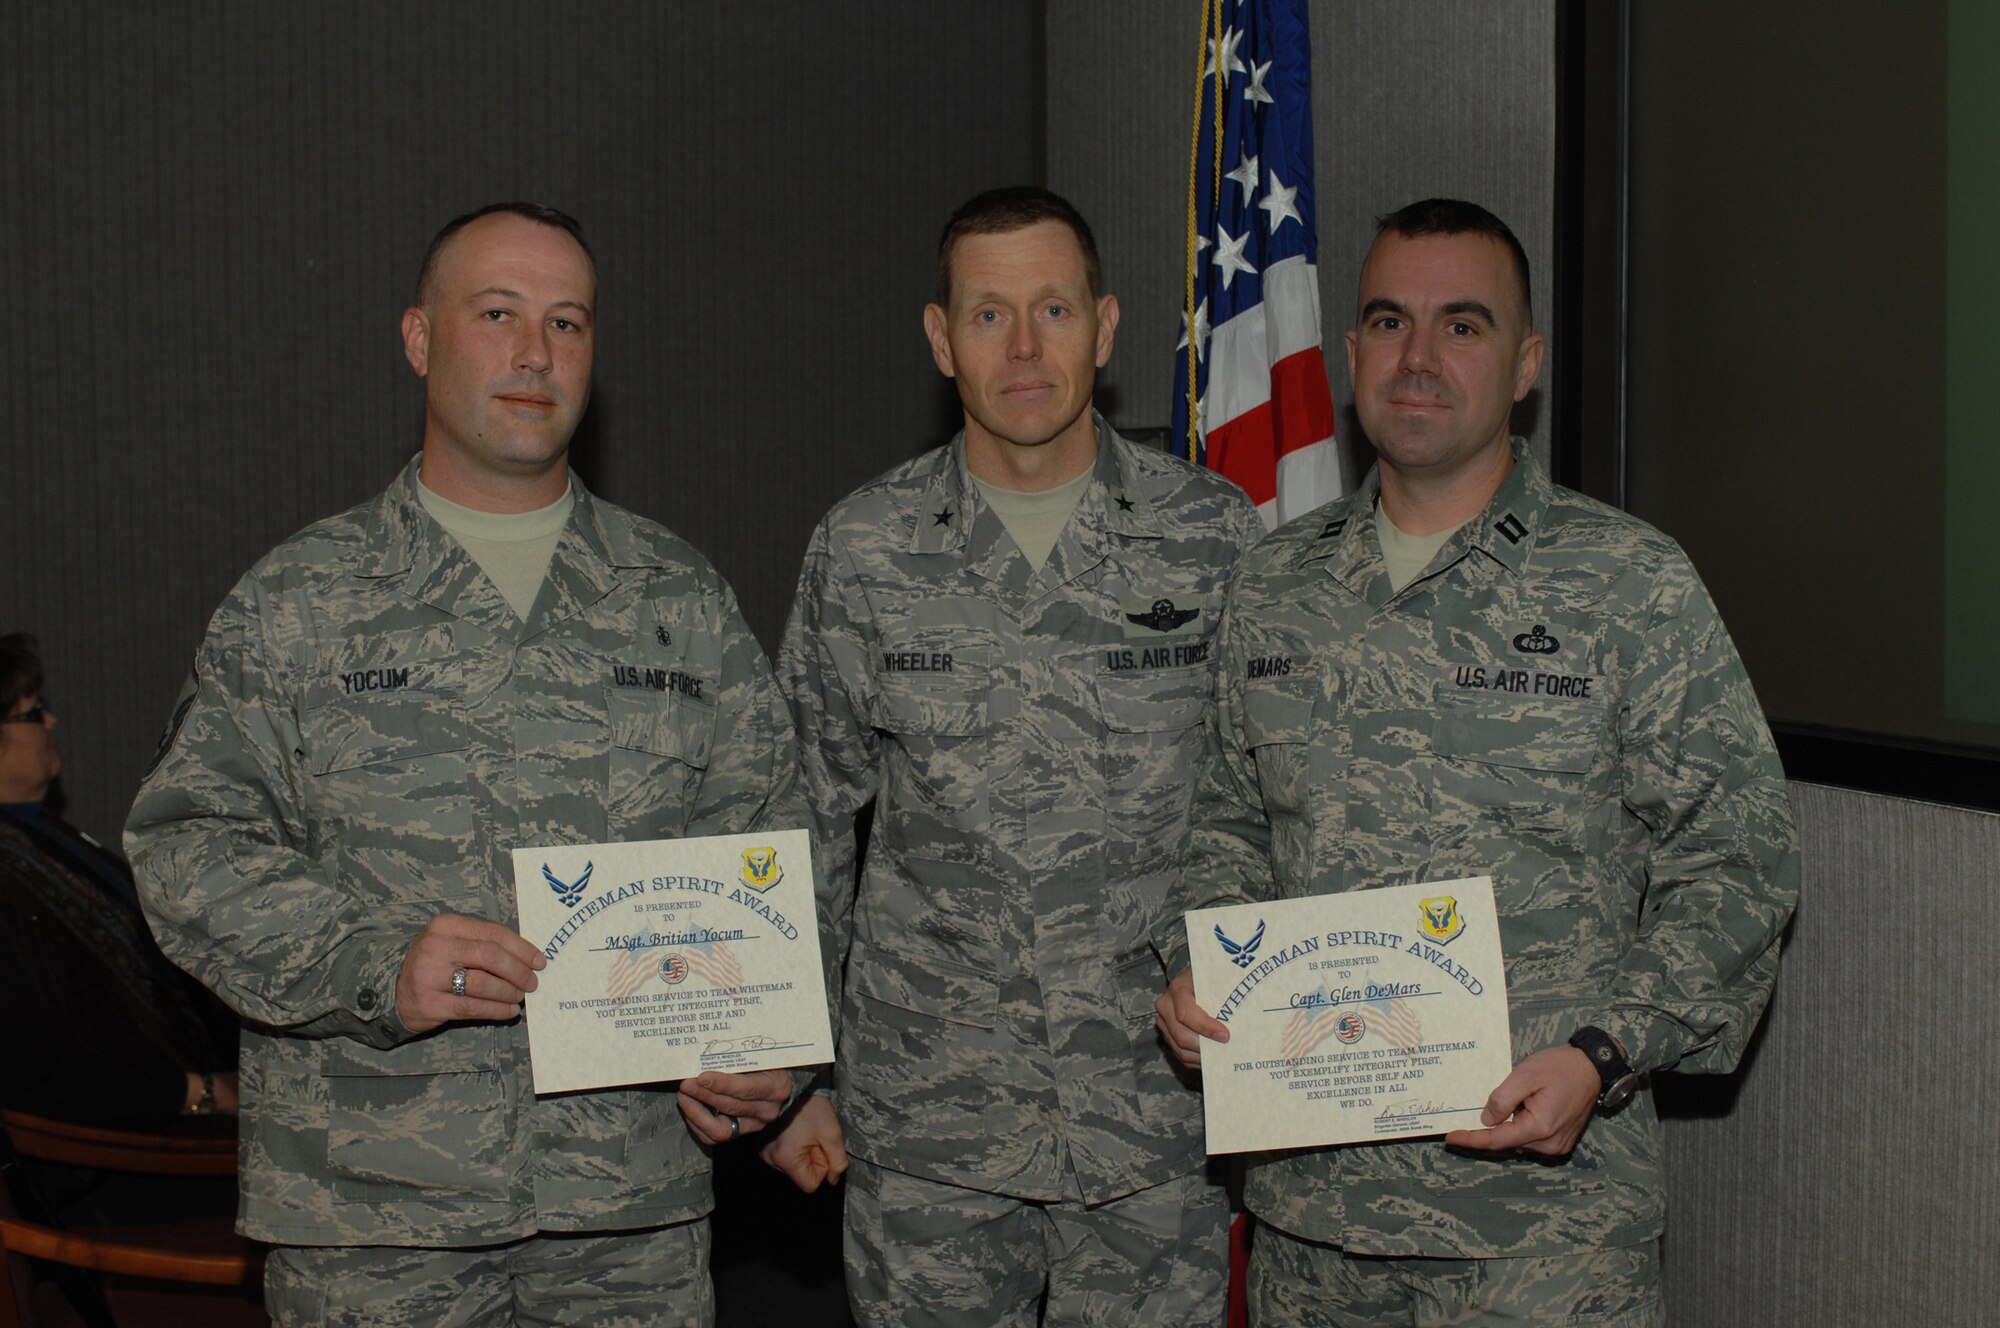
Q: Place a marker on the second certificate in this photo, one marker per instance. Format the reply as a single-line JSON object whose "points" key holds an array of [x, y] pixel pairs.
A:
{"points": [[1376, 1014]]}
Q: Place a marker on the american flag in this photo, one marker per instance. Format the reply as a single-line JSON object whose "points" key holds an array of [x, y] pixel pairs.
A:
{"points": [[1310, 1025], [715, 963], [1395, 1021], [628, 973], [1263, 412]]}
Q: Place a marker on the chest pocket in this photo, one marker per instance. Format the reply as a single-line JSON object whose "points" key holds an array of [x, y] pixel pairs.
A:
{"points": [[1522, 761], [375, 728], [391, 790], [938, 705], [660, 744], [935, 801], [1160, 702], [678, 727], [1151, 756]]}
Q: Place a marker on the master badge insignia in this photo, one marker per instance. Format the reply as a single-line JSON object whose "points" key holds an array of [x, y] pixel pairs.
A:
{"points": [[1163, 616], [760, 868], [1537, 642], [568, 892], [1441, 919]]}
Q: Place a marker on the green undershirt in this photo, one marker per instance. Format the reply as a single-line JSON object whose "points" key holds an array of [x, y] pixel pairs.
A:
{"points": [[1407, 555], [512, 548], [1036, 520]]}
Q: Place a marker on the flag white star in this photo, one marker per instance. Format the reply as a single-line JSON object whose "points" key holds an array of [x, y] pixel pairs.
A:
{"points": [[1200, 331], [1245, 176], [1231, 64], [1255, 92], [1229, 259], [1279, 202]]}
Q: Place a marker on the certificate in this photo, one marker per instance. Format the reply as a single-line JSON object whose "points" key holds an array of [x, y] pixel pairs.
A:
{"points": [[671, 957], [1376, 1014]]}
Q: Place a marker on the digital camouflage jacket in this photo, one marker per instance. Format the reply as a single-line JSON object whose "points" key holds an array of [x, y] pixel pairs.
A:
{"points": [[1029, 742], [1552, 702], [368, 731]]}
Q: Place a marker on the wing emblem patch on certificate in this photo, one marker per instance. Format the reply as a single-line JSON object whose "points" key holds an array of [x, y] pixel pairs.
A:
{"points": [[1375, 1014], [760, 868], [1441, 920], [672, 957]]}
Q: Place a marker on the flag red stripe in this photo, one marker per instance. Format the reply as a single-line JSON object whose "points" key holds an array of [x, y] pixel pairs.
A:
{"points": [[1243, 450], [1303, 403], [1299, 414]]}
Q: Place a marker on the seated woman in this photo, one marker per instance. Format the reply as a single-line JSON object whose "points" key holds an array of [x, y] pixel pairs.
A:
{"points": [[98, 1028]]}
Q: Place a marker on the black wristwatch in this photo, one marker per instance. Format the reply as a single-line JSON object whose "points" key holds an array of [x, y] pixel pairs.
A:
{"points": [[1620, 1080]]}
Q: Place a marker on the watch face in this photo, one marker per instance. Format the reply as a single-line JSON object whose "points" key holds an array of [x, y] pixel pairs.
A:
{"points": [[1616, 1095]]}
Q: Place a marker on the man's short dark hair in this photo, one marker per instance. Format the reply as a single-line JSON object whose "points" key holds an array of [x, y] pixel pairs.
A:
{"points": [[1017, 207], [547, 216], [1451, 216], [20, 670]]}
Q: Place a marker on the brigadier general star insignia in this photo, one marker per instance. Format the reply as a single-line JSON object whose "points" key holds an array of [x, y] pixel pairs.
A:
{"points": [[941, 518], [1163, 616]]}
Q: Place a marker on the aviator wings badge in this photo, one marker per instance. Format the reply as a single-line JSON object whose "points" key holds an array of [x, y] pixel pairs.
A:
{"points": [[1163, 616], [569, 892]]}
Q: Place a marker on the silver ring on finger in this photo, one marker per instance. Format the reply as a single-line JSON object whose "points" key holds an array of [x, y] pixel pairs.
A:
{"points": [[458, 982], [735, 1127]]}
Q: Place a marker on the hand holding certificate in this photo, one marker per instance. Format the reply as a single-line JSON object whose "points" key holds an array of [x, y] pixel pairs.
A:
{"points": [[1376, 1014], [671, 957]]}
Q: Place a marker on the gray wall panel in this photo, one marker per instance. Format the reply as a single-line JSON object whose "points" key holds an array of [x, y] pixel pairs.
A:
{"points": [[1850, 1175], [1434, 98], [215, 216]]}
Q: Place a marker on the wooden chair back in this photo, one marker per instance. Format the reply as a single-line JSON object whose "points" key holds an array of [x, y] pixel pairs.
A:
{"points": [[200, 1252]]}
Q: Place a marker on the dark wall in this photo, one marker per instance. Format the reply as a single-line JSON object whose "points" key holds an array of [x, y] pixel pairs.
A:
{"points": [[214, 217]]}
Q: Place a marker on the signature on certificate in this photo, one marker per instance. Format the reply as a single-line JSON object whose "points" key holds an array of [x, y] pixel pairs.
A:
{"points": [[723, 1046], [1396, 1107]]}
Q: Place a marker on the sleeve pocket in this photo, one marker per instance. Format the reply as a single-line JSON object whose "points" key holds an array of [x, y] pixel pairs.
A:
{"points": [[1274, 715]]}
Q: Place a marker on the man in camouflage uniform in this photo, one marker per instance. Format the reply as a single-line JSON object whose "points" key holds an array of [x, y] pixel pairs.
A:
{"points": [[1464, 670], [385, 706], [1006, 646]]}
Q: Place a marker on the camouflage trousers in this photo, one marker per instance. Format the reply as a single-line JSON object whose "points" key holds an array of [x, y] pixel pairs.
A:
{"points": [[613, 1279], [920, 1252], [1296, 1283]]}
